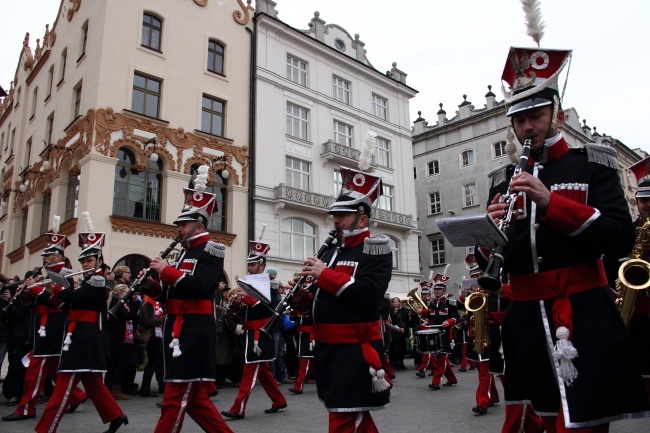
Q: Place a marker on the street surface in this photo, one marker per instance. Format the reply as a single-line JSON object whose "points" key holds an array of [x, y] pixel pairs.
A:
{"points": [[414, 408]]}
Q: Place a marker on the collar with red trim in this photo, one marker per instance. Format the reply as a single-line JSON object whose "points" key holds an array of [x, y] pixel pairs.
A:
{"points": [[554, 149], [199, 239], [354, 238]]}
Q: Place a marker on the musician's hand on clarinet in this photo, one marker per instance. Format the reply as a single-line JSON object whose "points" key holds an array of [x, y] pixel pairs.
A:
{"points": [[534, 189], [313, 267], [158, 264]]}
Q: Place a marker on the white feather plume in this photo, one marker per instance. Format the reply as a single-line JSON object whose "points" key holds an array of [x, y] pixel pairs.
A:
{"points": [[88, 222], [444, 273], [534, 24], [262, 230], [367, 150], [431, 276], [201, 181], [56, 223]]}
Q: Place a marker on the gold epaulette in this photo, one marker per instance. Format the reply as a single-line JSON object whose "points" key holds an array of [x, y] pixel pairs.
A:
{"points": [[603, 155], [215, 249], [376, 246]]}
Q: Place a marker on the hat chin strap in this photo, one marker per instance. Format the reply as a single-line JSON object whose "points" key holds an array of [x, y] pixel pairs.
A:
{"points": [[189, 236]]}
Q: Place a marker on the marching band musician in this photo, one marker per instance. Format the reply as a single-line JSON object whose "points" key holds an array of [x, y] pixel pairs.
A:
{"points": [[189, 332], [425, 359], [259, 350], [561, 304], [305, 347], [442, 312], [48, 338], [82, 356], [351, 279]]}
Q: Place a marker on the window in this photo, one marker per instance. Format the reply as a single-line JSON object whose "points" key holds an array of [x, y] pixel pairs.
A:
{"points": [[64, 60], [297, 173], [297, 239], [219, 187], [77, 101], [433, 168], [339, 45], [23, 229], [380, 107], [212, 114], [215, 57], [467, 158], [394, 251], [49, 128], [435, 205], [151, 31], [341, 90], [385, 202], [342, 134], [45, 214], [50, 80], [84, 40], [146, 95], [2, 147], [437, 251], [28, 152], [137, 194], [17, 98], [382, 147], [12, 141], [297, 122], [499, 149], [72, 197], [415, 173], [296, 71], [338, 182], [34, 100], [470, 198]]}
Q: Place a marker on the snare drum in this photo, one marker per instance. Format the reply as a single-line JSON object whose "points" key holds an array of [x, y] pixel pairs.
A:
{"points": [[429, 341]]}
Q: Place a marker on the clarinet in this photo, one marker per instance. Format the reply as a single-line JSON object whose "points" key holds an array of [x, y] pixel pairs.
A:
{"points": [[136, 284], [286, 299], [21, 288], [491, 279]]}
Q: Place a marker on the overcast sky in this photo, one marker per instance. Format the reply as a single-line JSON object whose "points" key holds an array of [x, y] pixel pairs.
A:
{"points": [[451, 48]]}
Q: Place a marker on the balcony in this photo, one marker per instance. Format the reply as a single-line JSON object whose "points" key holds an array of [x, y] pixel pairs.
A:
{"points": [[285, 195], [393, 219], [340, 153]]}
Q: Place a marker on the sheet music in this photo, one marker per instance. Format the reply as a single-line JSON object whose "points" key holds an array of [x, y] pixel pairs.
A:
{"points": [[467, 231], [257, 285]]}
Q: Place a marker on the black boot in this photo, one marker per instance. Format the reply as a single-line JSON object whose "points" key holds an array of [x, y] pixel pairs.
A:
{"points": [[117, 423]]}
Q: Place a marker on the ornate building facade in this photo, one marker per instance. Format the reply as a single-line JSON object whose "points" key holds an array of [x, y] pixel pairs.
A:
{"points": [[451, 162], [317, 96], [77, 128]]}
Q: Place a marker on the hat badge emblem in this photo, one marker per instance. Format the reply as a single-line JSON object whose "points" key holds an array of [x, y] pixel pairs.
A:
{"points": [[55, 238], [539, 60], [92, 237], [198, 196], [359, 179]]}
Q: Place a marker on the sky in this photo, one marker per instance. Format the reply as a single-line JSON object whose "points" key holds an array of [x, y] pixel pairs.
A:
{"points": [[451, 48]]}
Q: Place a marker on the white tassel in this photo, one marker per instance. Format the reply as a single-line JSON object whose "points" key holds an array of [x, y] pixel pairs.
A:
{"points": [[41, 331], [367, 150], [379, 382], [564, 352], [256, 348], [311, 345], [67, 342], [176, 345]]}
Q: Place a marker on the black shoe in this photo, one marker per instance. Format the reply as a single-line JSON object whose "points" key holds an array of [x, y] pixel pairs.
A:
{"points": [[462, 370], [275, 409], [159, 404], [13, 401], [117, 423], [479, 410], [148, 393], [74, 407], [16, 417], [449, 383], [420, 374], [295, 391], [434, 387], [231, 415]]}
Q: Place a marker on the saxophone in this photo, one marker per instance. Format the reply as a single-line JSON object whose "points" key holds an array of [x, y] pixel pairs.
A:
{"points": [[634, 274], [479, 325]]}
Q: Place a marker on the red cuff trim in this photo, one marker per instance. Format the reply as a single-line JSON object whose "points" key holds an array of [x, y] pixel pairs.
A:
{"points": [[568, 215], [171, 275], [333, 282], [250, 301]]}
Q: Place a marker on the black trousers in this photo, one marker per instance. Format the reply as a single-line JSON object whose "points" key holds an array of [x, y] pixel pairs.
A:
{"points": [[13, 384]]}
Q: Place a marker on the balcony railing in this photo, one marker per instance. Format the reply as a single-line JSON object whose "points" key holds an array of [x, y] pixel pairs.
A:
{"points": [[341, 153], [386, 216], [299, 196]]}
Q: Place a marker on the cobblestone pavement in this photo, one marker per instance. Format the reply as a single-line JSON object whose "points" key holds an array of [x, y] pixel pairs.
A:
{"points": [[414, 408]]}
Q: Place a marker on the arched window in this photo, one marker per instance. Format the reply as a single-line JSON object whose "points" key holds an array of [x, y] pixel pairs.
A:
{"points": [[72, 197], [45, 212], [297, 239], [137, 194], [215, 57], [219, 187], [394, 251], [151, 31]]}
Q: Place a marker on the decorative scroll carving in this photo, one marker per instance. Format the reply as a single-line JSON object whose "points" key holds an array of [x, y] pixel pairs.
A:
{"points": [[74, 8], [201, 2], [242, 18], [158, 230], [29, 58]]}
